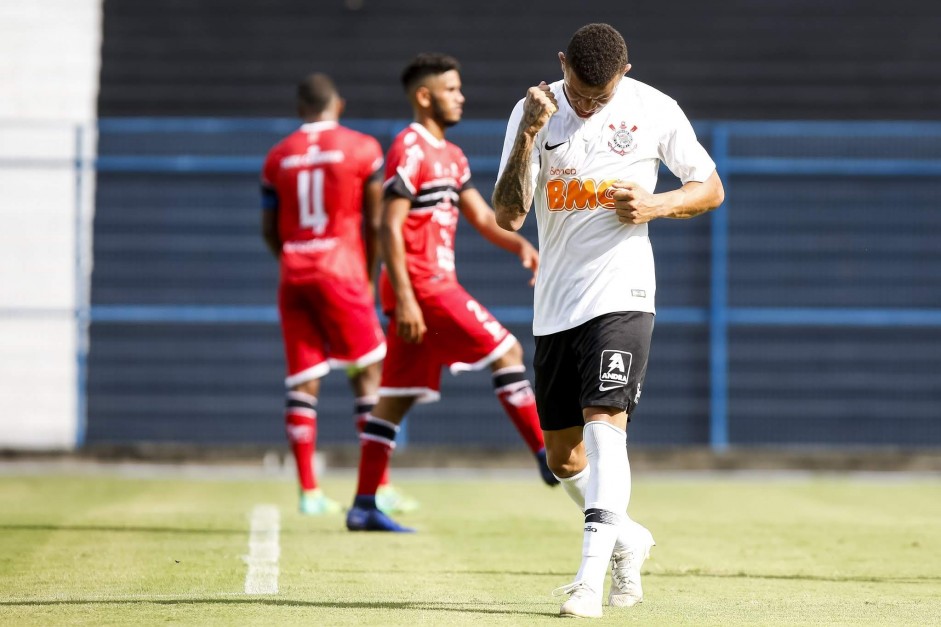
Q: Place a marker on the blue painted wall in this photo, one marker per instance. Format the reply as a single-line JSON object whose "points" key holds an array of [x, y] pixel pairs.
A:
{"points": [[833, 300]]}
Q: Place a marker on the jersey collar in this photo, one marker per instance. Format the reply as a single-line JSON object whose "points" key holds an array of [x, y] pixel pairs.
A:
{"points": [[424, 132], [322, 125]]}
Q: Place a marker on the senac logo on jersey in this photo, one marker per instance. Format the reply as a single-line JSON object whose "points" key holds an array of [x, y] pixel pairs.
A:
{"points": [[579, 194]]}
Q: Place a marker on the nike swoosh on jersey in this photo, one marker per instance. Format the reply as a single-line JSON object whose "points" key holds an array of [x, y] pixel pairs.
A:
{"points": [[548, 147], [602, 388]]}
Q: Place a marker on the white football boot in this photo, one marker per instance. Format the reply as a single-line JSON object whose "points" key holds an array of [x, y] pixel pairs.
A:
{"points": [[583, 602], [625, 569]]}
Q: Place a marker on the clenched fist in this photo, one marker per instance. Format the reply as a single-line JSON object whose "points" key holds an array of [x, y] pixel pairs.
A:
{"points": [[634, 204], [538, 107]]}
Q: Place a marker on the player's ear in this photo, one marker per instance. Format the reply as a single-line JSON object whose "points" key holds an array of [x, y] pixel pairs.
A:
{"points": [[423, 96], [341, 106], [562, 61], [627, 68]]}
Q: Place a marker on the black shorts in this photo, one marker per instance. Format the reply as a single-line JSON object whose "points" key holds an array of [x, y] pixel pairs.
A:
{"points": [[601, 363]]}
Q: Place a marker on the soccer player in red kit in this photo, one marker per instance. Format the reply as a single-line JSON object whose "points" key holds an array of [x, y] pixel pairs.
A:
{"points": [[433, 321], [317, 184]]}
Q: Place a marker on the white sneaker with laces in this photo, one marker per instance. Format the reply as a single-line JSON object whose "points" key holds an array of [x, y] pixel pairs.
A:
{"points": [[625, 570], [583, 602]]}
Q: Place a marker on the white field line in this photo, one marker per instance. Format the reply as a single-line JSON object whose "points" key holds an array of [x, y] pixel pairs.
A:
{"points": [[264, 551]]}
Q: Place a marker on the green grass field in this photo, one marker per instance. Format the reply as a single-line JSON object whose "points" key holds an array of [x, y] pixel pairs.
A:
{"points": [[765, 550]]}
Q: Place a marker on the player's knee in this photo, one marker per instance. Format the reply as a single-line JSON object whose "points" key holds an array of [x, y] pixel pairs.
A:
{"points": [[311, 387], [365, 379], [512, 357], [393, 408], [563, 462]]}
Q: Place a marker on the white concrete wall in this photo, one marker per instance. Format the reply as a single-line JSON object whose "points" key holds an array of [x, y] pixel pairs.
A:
{"points": [[49, 67]]}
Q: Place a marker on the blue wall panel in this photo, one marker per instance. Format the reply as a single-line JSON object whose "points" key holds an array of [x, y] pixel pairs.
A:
{"points": [[835, 386], [836, 262]]}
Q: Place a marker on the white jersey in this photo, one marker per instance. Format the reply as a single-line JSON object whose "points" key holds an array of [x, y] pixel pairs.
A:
{"points": [[589, 263]]}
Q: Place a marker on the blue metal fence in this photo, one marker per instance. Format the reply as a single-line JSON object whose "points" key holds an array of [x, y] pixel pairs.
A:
{"points": [[915, 153]]}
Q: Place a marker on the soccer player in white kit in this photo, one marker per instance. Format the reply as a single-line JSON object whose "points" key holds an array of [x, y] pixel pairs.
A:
{"points": [[587, 149]]}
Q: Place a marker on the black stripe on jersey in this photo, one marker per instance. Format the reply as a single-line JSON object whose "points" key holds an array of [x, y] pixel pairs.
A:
{"points": [[601, 516], [432, 202], [424, 191]]}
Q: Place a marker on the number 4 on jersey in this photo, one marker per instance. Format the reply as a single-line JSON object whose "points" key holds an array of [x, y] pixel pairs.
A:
{"points": [[310, 200]]}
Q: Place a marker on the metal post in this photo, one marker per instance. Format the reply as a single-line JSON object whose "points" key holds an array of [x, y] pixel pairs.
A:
{"points": [[81, 298], [718, 307]]}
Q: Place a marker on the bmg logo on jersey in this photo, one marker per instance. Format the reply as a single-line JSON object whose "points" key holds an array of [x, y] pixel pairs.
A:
{"points": [[615, 368], [579, 194]]}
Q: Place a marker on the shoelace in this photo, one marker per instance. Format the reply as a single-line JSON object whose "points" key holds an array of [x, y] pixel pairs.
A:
{"points": [[621, 575], [573, 588]]}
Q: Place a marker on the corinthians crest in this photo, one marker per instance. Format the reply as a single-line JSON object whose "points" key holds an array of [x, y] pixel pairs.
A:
{"points": [[623, 140]]}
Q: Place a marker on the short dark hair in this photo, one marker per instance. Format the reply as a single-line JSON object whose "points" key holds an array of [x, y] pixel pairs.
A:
{"points": [[596, 53], [315, 92], [427, 64]]}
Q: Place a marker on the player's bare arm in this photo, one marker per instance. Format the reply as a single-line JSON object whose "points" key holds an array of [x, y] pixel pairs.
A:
{"points": [[269, 232], [409, 321], [476, 210], [372, 221], [513, 193], [635, 205]]}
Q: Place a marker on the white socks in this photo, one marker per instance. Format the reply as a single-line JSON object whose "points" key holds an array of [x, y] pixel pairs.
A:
{"points": [[576, 486], [606, 495]]}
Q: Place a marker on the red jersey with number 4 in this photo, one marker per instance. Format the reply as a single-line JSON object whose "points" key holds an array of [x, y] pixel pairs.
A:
{"points": [[431, 173], [318, 173]]}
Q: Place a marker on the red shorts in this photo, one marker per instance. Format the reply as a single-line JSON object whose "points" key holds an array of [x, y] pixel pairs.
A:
{"points": [[461, 334], [328, 324]]}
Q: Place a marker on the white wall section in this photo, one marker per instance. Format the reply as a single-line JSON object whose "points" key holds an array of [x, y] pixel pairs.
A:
{"points": [[49, 72]]}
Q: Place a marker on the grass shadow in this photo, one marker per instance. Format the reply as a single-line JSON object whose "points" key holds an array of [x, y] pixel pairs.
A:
{"points": [[440, 606]]}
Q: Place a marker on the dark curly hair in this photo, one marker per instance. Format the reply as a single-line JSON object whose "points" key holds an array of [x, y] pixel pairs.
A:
{"points": [[427, 64], [596, 53]]}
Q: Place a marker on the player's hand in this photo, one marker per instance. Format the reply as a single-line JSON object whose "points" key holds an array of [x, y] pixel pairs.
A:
{"points": [[409, 322], [538, 107], [529, 257], [634, 204]]}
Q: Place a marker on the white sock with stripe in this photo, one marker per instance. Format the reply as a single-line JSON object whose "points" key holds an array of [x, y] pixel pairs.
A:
{"points": [[606, 498], [576, 486]]}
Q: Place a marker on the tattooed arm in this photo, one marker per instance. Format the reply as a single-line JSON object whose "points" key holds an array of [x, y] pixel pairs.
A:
{"points": [[513, 193]]}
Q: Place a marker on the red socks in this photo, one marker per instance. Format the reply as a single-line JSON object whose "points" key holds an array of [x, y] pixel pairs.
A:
{"points": [[301, 426], [361, 408], [376, 443], [516, 395]]}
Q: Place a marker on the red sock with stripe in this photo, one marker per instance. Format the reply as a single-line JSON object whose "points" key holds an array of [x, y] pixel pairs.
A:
{"points": [[376, 444], [518, 401], [301, 426], [361, 408]]}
